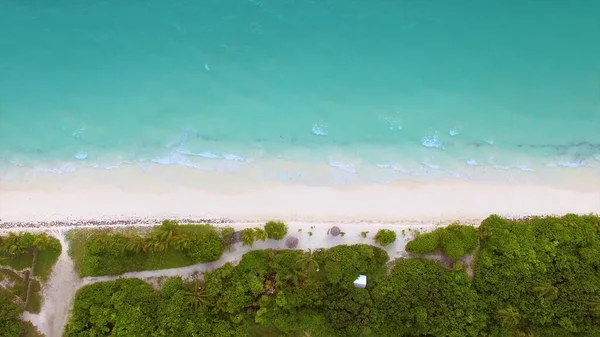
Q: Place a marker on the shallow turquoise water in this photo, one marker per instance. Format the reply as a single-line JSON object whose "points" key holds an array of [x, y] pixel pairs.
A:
{"points": [[414, 86]]}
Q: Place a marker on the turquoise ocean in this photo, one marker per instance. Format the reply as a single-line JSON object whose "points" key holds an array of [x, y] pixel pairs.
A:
{"points": [[394, 89]]}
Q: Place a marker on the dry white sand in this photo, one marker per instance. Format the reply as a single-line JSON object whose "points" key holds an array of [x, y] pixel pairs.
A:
{"points": [[187, 193]]}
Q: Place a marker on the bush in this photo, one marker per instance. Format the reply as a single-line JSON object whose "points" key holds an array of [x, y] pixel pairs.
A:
{"points": [[457, 240], [423, 243], [276, 230], [385, 237], [454, 240]]}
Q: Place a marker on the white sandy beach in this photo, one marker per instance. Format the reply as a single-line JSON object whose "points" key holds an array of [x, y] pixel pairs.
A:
{"points": [[182, 193]]}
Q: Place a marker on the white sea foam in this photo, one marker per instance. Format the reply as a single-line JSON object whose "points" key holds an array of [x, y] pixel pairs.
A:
{"points": [[453, 132], [429, 165], [472, 162], [233, 157], [431, 141], [81, 155], [318, 130], [206, 154], [489, 141], [344, 167]]}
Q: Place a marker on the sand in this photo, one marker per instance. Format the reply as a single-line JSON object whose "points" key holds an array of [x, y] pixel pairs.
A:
{"points": [[136, 193]]}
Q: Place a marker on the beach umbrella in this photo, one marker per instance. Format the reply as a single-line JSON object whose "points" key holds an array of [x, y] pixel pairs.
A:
{"points": [[291, 242]]}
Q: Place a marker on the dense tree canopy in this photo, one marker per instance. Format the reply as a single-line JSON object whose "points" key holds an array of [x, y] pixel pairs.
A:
{"points": [[540, 275]]}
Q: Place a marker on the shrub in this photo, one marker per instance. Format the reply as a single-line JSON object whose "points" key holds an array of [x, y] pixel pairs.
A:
{"points": [[385, 237], [248, 237], [227, 235], [260, 234], [276, 230], [364, 234], [423, 243], [455, 241]]}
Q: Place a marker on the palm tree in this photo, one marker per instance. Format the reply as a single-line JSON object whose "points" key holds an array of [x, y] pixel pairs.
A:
{"points": [[41, 242], [595, 306], [294, 276], [509, 316], [546, 291], [525, 333], [167, 230], [197, 297], [308, 262], [181, 241], [136, 244], [260, 234], [157, 245], [165, 235], [248, 237]]}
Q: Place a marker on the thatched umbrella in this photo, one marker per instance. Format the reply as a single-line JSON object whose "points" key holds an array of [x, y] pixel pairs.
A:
{"points": [[335, 231], [291, 242], [236, 237]]}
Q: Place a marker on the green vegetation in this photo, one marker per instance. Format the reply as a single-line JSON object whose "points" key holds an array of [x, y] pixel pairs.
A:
{"points": [[268, 292], [540, 275], [28, 258], [18, 251], [364, 234], [533, 277], [10, 325], [97, 252], [455, 241], [276, 230], [251, 235], [385, 237]]}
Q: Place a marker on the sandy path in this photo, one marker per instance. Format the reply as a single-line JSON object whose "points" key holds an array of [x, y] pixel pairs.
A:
{"points": [[58, 293]]}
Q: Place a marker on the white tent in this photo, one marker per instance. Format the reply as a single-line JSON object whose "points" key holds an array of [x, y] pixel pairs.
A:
{"points": [[361, 281]]}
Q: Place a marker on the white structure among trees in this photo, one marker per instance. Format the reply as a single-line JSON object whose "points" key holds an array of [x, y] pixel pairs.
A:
{"points": [[361, 281]]}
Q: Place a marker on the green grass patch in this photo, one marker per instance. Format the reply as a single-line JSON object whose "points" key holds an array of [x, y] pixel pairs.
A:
{"points": [[18, 262], [97, 252], [30, 331], [35, 303], [46, 260]]}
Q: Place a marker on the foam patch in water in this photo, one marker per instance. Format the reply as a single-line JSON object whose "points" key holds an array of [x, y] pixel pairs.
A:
{"points": [[318, 130]]}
